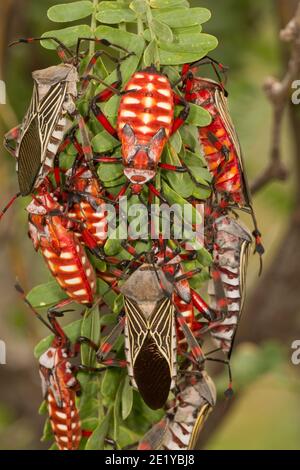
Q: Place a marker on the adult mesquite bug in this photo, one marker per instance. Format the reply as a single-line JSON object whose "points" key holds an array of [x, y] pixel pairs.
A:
{"points": [[152, 298], [65, 256], [185, 415], [146, 121], [232, 241], [220, 143], [35, 142], [59, 383]]}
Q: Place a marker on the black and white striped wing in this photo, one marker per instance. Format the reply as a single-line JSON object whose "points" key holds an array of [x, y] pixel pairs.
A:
{"points": [[221, 102], [37, 129], [162, 329], [151, 345], [137, 328]]}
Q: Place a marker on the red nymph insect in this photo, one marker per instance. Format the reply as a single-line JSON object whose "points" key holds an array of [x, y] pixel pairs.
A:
{"points": [[232, 241], [185, 415], [145, 122], [61, 249], [85, 203], [220, 144], [59, 383]]}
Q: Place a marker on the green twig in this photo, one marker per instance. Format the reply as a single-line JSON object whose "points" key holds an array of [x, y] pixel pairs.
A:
{"points": [[93, 25]]}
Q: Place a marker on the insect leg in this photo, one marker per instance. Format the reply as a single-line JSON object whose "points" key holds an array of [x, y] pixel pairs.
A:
{"points": [[217, 67], [21, 291], [213, 139], [108, 160], [87, 147], [202, 306], [178, 169], [180, 120], [102, 97], [196, 350], [54, 310], [11, 139], [63, 50], [108, 362], [156, 193], [3, 211], [107, 346], [229, 391], [220, 291], [86, 75], [104, 42]]}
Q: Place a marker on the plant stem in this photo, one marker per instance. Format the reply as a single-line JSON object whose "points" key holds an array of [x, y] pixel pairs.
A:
{"points": [[140, 26], [93, 25], [149, 18], [92, 46], [149, 21]]}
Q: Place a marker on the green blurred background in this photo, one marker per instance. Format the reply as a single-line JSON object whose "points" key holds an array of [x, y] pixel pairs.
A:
{"points": [[265, 413]]}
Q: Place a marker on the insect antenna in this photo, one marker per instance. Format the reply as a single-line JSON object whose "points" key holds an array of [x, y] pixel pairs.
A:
{"points": [[61, 45], [21, 291], [229, 392], [2, 213]]}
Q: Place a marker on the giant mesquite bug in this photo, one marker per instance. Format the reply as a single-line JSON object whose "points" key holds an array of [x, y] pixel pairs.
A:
{"points": [[230, 252], [185, 415], [84, 200], [59, 383], [220, 143], [156, 294], [35, 142], [145, 122], [65, 256]]}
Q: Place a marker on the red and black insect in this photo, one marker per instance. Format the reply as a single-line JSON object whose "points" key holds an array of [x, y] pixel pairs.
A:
{"points": [[59, 383], [232, 241], [146, 120], [85, 202], [52, 110], [185, 415], [153, 298], [65, 256], [220, 143]]}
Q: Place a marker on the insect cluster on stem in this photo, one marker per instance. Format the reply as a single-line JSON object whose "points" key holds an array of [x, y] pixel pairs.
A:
{"points": [[171, 140]]}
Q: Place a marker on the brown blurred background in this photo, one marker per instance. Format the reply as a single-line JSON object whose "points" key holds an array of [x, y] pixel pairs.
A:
{"points": [[265, 413]]}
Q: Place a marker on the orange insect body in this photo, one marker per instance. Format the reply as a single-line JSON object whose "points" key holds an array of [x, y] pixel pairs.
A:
{"points": [[90, 210], [60, 387], [62, 251], [219, 141], [145, 122]]}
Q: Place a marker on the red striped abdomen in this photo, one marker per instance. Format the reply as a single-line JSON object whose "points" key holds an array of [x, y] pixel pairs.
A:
{"points": [[149, 107], [70, 266], [65, 420], [95, 221], [219, 141], [227, 174], [92, 214]]}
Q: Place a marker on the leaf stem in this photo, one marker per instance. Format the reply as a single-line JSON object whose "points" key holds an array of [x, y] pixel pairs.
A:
{"points": [[149, 21], [93, 25], [140, 26]]}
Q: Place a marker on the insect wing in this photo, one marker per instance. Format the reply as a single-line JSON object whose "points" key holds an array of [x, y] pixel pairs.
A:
{"points": [[154, 438], [201, 419], [222, 106], [152, 344], [137, 328], [49, 112], [37, 130]]}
